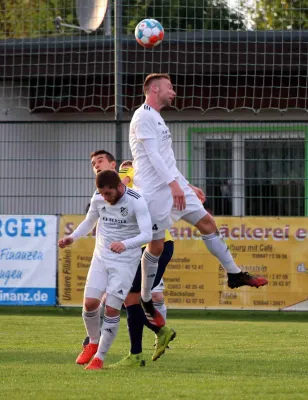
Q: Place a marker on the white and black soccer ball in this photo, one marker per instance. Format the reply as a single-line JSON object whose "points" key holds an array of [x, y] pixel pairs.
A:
{"points": [[149, 33]]}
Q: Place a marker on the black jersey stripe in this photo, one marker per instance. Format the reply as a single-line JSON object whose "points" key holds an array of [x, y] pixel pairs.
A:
{"points": [[133, 193], [149, 257]]}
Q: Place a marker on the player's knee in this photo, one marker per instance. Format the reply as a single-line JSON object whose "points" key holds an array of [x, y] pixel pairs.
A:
{"points": [[111, 312], [90, 304], [158, 297], [131, 299], [206, 225], [156, 247]]}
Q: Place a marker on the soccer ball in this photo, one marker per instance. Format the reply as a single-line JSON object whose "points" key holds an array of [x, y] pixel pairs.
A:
{"points": [[149, 33]]}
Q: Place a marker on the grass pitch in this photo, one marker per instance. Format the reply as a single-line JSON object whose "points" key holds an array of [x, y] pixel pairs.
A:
{"points": [[216, 355]]}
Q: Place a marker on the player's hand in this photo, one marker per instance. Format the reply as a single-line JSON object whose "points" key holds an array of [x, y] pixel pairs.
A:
{"points": [[62, 243], [201, 196], [179, 201], [126, 180], [117, 247]]}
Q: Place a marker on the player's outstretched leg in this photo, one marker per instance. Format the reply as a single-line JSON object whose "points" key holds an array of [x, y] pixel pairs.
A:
{"points": [[245, 279], [163, 338], [218, 247]]}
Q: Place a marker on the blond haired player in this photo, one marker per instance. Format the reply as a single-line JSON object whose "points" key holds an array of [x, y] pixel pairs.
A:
{"points": [[168, 194]]}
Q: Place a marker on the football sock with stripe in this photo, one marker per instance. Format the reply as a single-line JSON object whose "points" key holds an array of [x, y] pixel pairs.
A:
{"points": [[149, 265], [109, 332], [218, 247], [92, 323]]}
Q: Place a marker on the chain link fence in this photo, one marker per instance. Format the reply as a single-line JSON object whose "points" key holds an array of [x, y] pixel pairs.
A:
{"points": [[245, 168]]}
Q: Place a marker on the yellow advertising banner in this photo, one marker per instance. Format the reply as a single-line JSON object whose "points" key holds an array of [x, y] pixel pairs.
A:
{"points": [[275, 248]]}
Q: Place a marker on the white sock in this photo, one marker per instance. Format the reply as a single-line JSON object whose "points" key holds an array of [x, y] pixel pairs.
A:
{"points": [[92, 324], [109, 332], [149, 265], [161, 307], [218, 247]]}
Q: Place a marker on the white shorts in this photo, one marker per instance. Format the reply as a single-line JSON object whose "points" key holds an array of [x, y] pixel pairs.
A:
{"points": [[112, 275], [159, 288], [160, 205], [194, 209]]}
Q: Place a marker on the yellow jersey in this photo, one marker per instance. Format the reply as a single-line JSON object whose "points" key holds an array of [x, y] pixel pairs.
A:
{"points": [[128, 172]]}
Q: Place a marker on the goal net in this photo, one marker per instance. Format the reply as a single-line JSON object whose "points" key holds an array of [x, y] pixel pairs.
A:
{"points": [[221, 54]]}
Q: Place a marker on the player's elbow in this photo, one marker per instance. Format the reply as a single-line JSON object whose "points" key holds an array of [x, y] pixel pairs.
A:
{"points": [[148, 236]]}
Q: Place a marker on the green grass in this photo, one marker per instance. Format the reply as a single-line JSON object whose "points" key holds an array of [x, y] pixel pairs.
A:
{"points": [[216, 355]]}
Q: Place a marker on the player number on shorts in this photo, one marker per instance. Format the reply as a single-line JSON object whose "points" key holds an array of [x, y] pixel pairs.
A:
{"points": [[154, 227]]}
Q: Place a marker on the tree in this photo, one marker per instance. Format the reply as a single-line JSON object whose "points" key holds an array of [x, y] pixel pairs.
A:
{"points": [[278, 15], [35, 18], [183, 15], [25, 18]]}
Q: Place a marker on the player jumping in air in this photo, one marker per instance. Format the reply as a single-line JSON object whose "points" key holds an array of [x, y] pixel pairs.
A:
{"points": [[168, 194]]}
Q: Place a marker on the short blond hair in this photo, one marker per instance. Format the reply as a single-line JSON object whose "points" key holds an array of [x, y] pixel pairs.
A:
{"points": [[126, 163], [150, 78]]}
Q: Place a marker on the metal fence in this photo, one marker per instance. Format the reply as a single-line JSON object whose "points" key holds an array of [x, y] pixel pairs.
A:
{"points": [[245, 168]]}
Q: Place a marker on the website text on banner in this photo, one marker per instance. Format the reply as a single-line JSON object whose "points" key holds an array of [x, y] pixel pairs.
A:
{"points": [[272, 247], [28, 260]]}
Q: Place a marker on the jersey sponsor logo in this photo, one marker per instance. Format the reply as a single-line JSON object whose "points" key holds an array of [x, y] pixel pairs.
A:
{"points": [[120, 291], [103, 209], [146, 107], [159, 123], [123, 211], [111, 221]]}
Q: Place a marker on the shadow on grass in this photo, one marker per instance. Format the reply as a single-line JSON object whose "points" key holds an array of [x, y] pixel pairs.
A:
{"points": [[222, 315]]}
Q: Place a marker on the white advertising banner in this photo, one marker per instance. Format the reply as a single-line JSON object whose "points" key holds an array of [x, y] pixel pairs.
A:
{"points": [[28, 255]]}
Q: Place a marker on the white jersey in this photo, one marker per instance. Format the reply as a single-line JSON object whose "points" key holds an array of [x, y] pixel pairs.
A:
{"points": [[147, 123], [128, 221]]}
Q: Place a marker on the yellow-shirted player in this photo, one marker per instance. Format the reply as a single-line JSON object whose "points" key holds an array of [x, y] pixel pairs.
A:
{"points": [[102, 160]]}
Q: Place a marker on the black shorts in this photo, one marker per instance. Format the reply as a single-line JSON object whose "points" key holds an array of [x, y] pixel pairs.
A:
{"points": [[162, 264]]}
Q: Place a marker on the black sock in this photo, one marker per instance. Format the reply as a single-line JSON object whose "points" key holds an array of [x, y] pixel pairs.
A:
{"points": [[135, 323]]}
